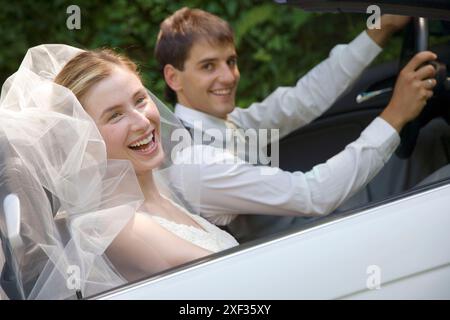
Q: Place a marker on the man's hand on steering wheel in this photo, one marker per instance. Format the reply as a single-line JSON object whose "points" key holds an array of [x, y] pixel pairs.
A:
{"points": [[413, 88]]}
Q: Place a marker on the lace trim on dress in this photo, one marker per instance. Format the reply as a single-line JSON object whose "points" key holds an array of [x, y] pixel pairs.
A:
{"points": [[213, 239]]}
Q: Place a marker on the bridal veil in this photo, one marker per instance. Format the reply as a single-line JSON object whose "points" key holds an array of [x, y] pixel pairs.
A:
{"points": [[73, 201]]}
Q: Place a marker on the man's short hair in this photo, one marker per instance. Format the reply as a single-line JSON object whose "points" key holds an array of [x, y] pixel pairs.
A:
{"points": [[180, 31]]}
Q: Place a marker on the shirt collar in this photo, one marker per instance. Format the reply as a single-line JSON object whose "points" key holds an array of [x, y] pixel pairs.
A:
{"points": [[191, 116]]}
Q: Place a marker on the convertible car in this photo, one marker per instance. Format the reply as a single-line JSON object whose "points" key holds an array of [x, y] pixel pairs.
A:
{"points": [[393, 245]]}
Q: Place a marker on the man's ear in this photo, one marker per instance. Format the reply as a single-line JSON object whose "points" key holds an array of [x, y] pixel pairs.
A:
{"points": [[172, 77]]}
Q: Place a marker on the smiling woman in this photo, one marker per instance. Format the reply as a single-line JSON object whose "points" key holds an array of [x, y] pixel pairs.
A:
{"points": [[116, 220], [129, 122], [113, 95]]}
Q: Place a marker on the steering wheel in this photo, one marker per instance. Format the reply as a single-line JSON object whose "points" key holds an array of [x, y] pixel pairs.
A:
{"points": [[416, 40]]}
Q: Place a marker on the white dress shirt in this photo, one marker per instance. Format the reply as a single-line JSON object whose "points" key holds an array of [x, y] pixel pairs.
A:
{"points": [[219, 191], [289, 108]]}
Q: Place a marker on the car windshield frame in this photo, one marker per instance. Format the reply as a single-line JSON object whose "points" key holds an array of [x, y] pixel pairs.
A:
{"points": [[435, 9]]}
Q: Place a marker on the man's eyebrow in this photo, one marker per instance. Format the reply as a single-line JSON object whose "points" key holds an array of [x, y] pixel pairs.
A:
{"points": [[207, 60]]}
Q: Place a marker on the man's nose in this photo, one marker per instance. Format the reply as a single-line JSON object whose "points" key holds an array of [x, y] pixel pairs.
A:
{"points": [[227, 74]]}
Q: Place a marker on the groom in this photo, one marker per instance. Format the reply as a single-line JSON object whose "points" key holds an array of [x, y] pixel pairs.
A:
{"points": [[198, 59]]}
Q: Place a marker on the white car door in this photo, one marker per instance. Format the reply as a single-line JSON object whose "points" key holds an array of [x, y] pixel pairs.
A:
{"points": [[398, 250]]}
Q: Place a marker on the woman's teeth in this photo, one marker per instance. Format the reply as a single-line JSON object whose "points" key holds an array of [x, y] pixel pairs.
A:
{"points": [[142, 142]]}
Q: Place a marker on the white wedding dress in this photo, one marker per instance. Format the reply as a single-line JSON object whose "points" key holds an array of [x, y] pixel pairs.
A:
{"points": [[209, 237]]}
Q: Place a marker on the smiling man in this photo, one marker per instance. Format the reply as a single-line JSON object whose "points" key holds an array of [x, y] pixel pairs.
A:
{"points": [[209, 80], [198, 59], [197, 56]]}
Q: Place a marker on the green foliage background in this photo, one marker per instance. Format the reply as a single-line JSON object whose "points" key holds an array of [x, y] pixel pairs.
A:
{"points": [[276, 44]]}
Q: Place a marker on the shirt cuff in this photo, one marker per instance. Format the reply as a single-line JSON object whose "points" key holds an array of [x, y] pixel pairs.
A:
{"points": [[368, 41], [360, 53], [382, 136], [366, 47]]}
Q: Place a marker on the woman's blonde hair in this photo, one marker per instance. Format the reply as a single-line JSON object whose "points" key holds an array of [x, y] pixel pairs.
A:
{"points": [[90, 67]]}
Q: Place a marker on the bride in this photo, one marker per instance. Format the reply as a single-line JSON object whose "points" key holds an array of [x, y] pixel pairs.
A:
{"points": [[99, 149], [109, 88]]}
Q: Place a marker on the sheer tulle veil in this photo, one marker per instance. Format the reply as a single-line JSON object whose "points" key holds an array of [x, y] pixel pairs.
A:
{"points": [[73, 200]]}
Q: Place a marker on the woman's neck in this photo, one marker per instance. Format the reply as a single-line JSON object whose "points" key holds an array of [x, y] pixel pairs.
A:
{"points": [[149, 188], [156, 204]]}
